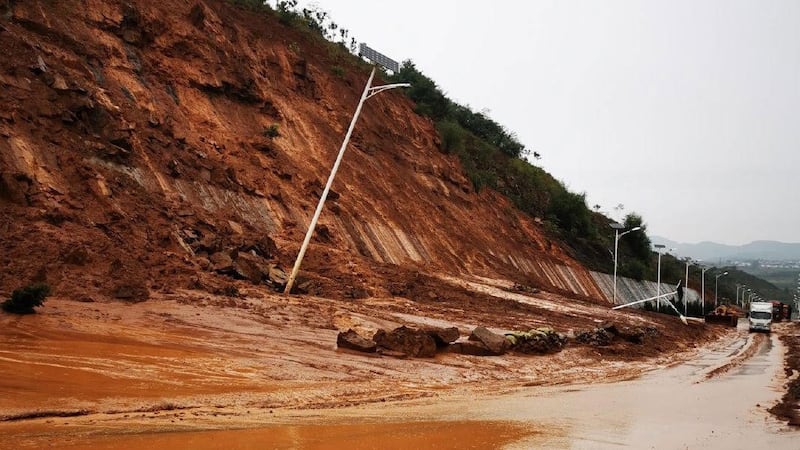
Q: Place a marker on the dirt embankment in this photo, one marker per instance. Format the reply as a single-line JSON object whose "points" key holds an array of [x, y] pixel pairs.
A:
{"points": [[789, 406], [136, 163], [136, 156]]}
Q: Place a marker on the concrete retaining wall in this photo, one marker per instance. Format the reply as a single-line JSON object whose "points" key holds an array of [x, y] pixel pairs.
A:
{"points": [[630, 290]]}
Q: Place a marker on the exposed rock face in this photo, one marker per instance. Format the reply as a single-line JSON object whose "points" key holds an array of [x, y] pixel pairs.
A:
{"points": [[153, 149], [407, 341], [351, 340], [496, 343]]}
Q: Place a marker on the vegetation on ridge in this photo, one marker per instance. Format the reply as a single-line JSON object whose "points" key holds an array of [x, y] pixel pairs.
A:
{"points": [[492, 156]]}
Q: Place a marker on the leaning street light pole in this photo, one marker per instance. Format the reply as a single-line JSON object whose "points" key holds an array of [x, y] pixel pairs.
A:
{"points": [[618, 235], [716, 286], [369, 91]]}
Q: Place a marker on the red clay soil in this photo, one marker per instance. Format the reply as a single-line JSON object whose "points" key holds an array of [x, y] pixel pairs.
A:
{"points": [[191, 360], [134, 166], [132, 148], [789, 406]]}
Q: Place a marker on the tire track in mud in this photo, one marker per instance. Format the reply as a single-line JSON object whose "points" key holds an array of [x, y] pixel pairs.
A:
{"points": [[753, 343]]}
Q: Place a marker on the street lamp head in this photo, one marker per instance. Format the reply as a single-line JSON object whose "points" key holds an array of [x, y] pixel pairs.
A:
{"points": [[636, 228]]}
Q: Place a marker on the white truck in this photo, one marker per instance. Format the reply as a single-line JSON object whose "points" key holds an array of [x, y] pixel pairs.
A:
{"points": [[760, 316]]}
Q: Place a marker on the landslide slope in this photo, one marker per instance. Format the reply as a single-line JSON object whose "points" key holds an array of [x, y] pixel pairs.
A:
{"points": [[134, 156]]}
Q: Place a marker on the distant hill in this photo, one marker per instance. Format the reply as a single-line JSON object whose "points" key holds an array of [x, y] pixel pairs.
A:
{"points": [[712, 251]]}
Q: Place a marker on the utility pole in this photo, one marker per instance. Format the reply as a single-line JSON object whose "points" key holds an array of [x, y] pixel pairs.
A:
{"points": [[369, 91]]}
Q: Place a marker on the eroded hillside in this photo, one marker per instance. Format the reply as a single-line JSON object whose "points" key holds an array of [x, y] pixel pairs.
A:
{"points": [[175, 151], [135, 157]]}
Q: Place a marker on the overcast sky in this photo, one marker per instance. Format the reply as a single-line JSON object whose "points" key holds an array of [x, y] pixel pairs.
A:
{"points": [[686, 112]]}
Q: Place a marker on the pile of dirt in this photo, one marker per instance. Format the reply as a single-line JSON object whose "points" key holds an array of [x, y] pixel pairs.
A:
{"points": [[789, 406]]}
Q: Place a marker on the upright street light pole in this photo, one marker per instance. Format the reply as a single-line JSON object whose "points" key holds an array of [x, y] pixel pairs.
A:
{"points": [[369, 91], [685, 287], [659, 247], [716, 285], [703, 288], [617, 235]]}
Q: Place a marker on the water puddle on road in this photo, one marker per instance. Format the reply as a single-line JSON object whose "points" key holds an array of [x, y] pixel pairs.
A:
{"points": [[44, 366], [678, 407], [387, 436]]}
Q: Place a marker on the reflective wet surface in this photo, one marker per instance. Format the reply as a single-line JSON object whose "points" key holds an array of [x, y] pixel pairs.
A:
{"points": [[421, 435], [716, 400]]}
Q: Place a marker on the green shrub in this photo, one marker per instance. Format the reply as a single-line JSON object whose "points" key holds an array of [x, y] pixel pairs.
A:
{"points": [[286, 11], [23, 300], [483, 178], [453, 137], [571, 212], [254, 5], [633, 269], [637, 242], [272, 131], [338, 71]]}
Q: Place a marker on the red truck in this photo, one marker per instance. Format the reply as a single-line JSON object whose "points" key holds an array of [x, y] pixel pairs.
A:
{"points": [[780, 311]]}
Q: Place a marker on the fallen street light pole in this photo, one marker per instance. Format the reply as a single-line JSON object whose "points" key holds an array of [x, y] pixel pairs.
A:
{"points": [[681, 316], [369, 91]]}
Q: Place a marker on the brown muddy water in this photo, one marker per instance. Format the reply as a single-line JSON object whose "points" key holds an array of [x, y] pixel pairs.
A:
{"points": [[717, 400], [419, 435]]}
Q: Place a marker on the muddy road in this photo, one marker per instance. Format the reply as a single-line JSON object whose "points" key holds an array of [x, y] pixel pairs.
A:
{"points": [[207, 375]]}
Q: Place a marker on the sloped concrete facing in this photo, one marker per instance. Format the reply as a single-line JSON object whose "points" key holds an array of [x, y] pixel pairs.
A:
{"points": [[630, 290]]}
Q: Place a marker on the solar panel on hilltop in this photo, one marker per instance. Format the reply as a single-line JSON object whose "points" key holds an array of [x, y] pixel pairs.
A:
{"points": [[378, 58]]}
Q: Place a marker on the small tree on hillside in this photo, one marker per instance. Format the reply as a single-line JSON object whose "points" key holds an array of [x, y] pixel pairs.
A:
{"points": [[638, 242], [23, 300]]}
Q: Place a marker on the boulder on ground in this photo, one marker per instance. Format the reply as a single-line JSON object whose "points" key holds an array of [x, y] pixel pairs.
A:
{"points": [[221, 262], [635, 335], [539, 340], [131, 291], [250, 267], [597, 337], [496, 343], [610, 328], [443, 336], [351, 340], [409, 341], [474, 348], [277, 277]]}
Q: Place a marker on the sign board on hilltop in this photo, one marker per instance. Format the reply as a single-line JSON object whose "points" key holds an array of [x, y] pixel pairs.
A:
{"points": [[378, 58]]}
